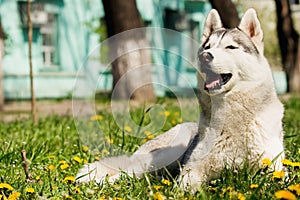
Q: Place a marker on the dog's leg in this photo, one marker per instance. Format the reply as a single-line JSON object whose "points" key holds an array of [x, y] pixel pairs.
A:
{"points": [[163, 151], [195, 173]]}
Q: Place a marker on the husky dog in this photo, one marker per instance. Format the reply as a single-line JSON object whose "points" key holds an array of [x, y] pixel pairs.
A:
{"points": [[241, 119]]}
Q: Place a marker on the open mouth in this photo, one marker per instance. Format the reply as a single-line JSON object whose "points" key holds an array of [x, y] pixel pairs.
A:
{"points": [[216, 81]]}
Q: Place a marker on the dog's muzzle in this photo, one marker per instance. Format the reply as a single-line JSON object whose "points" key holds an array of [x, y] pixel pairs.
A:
{"points": [[214, 81]]}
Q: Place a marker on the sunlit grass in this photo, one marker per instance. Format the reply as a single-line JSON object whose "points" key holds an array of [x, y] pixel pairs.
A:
{"points": [[55, 153]]}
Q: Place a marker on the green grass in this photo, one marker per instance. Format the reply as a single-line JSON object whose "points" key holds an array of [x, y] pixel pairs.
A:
{"points": [[54, 142]]}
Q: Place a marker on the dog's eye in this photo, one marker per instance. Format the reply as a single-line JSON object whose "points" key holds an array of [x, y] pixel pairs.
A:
{"points": [[231, 47], [207, 47]]}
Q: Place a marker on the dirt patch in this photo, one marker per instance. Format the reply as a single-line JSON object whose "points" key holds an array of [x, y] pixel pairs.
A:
{"points": [[22, 109]]}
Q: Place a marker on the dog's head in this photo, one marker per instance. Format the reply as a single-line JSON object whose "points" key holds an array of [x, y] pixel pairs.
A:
{"points": [[228, 57]]}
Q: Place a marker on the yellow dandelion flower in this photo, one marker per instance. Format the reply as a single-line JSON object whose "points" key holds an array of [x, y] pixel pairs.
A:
{"points": [[158, 196], [109, 140], [167, 113], [228, 189], [285, 194], [240, 196], [85, 148], [1, 196], [166, 182], [69, 179], [77, 159], [96, 117], [54, 187], [68, 197], [127, 128], [212, 189], [6, 186], [102, 198], [232, 194], [64, 166], [85, 161], [150, 137], [117, 198], [77, 190], [266, 162], [144, 141], [14, 196], [147, 133], [157, 187], [173, 122], [36, 178], [97, 158], [180, 120], [278, 174], [61, 162], [286, 162], [254, 186], [295, 188], [29, 190], [51, 157], [105, 151], [51, 167], [295, 164], [224, 190]]}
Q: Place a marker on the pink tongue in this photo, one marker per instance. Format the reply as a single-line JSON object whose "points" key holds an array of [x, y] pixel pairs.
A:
{"points": [[212, 81], [212, 84]]}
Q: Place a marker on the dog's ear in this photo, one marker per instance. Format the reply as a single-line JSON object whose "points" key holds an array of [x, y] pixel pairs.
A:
{"points": [[251, 26], [213, 22]]}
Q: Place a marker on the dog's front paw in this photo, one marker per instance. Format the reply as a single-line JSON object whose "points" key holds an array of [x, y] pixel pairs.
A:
{"points": [[190, 181]]}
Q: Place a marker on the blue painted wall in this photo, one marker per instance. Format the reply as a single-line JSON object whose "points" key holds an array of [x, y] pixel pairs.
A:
{"points": [[75, 21]]}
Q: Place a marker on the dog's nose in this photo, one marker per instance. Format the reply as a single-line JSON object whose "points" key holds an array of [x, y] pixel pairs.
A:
{"points": [[206, 57]]}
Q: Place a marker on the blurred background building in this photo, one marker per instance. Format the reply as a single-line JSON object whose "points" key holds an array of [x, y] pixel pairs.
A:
{"points": [[65, 31]]}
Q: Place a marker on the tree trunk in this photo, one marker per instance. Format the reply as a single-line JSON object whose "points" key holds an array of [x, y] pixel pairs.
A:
{"points": [[289, 45], [2, 49], [227, 11], [131, 67], [33, 108], [294, 81]]}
